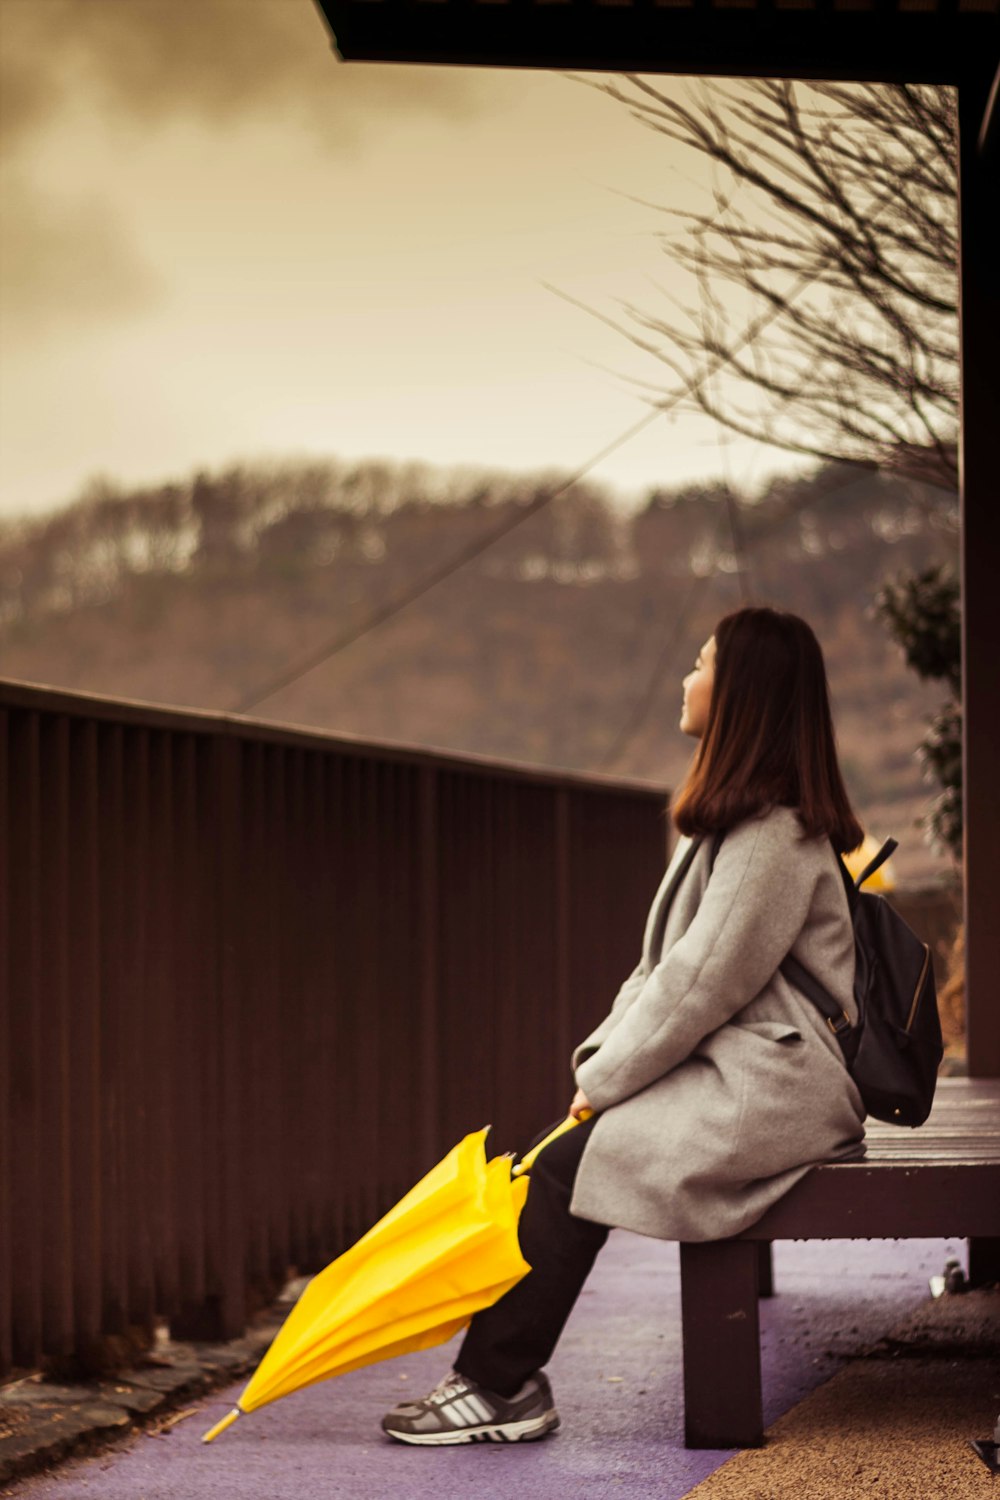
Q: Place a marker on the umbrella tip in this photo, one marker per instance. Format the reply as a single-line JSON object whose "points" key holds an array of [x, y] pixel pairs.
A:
{"points": [[227, 1421]]}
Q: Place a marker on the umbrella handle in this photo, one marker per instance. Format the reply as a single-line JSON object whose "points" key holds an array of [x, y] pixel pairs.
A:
{"points": [[527, 1161], [227, 1421]]}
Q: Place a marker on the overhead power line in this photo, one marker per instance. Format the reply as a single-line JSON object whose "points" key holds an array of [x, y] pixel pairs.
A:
{"points": [[379, 616], [345, 638], [666, 657], [437, 575]]}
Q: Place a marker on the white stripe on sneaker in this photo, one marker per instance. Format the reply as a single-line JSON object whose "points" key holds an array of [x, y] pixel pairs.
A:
{"points": [[482, 1411], [463, 1408], [508, 1432]]}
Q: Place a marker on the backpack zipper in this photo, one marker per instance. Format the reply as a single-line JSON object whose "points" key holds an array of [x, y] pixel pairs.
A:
{"points": [[920, 985]]}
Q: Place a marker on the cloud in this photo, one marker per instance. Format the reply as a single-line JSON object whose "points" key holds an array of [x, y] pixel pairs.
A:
{"points": [[217, 61], [148, 63], [67, 263]]}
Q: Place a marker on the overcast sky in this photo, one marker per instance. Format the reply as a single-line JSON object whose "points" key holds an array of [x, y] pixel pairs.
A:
{"points": [[221, 242]]}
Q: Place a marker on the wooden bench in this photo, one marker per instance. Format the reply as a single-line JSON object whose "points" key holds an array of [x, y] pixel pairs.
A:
{"points": [[942, 1179]]}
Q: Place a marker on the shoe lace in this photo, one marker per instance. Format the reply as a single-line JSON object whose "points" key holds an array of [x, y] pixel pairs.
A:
{"points": [[451, 1385]]}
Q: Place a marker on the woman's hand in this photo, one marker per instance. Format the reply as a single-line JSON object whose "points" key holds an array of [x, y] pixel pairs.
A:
{"points": [[580, 1103]]}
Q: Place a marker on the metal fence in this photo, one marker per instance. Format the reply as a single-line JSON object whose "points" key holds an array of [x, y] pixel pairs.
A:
{"points": [[256, 980]]}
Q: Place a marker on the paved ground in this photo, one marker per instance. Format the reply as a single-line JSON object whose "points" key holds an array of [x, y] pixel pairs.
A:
{"points": [[617, 1378]]}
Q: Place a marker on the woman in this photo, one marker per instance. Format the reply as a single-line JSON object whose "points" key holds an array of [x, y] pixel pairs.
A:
{"points": [[714, 1084]]}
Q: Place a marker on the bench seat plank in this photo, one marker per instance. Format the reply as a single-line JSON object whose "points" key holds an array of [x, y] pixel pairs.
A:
{"points": [[951, 1200], [942, 1179]]}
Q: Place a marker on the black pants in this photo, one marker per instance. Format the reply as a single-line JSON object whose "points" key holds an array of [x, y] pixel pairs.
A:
{"points": [[509, 1341]]}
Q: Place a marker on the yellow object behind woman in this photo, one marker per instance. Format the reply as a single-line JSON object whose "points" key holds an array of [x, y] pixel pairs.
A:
{"points": [[883, 878]]}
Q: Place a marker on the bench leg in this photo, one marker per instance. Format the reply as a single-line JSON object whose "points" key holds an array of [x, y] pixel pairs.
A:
{"points": [[984, 1261], [721, 1337], [765, 1269]]}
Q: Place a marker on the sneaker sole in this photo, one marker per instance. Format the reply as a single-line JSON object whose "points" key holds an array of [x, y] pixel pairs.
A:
{"points": [[505, 1432]]}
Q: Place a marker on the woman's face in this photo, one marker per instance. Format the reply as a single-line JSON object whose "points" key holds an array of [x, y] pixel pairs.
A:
{"points": [[698, 691]]}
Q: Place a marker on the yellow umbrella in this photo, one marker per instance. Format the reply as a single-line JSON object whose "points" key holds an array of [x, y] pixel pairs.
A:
{"points": [[447, 1249]]}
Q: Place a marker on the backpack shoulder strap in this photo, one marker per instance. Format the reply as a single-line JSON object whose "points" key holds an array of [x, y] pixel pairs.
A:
{"points": [[797, 974], [834, 1014], [852, 886], [874, 864], [846, 876]]}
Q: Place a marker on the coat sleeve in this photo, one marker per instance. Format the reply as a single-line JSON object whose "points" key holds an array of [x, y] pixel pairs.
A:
{"points": [[754, 906], [631, 987]]}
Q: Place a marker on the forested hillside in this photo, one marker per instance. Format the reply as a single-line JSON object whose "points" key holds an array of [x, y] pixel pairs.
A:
{"points": [[542, 649]]}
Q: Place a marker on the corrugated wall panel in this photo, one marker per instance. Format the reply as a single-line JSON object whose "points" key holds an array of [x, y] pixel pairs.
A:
{"points": [[189, 1075], [255, 985], [114, 1063], [58, 1331], [6, 1078], [159, 989], [137, 1010], [85, 1076], [26, 1100]]}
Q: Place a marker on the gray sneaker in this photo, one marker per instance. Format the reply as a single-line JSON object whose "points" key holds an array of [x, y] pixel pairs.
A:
{"points": [[460, 1411]]}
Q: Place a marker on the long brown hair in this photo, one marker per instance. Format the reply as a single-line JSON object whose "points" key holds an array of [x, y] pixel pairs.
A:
{"points": [[768, 739]]}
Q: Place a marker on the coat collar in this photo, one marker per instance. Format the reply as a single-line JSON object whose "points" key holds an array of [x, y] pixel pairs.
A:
{"points": [[684, 853]]}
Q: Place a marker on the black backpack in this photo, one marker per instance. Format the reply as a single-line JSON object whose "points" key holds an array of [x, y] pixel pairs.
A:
{"points": [[894, 1051]]}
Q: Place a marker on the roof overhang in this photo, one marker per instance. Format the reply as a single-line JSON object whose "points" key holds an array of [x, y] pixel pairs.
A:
{"points": [[912, 41]]}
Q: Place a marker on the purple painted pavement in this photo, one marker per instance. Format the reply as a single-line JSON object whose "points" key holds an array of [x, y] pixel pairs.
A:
{"points": [[616, 1377]]}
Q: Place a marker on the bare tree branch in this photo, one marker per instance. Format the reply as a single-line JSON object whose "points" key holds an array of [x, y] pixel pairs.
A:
{"points": [[832, 210]]}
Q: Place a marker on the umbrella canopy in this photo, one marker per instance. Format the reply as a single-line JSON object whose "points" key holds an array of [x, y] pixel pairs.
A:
{"points": [[447, 1249]]}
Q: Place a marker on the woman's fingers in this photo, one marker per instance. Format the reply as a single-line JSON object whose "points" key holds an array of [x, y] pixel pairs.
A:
{"points": [[580, 1102]]}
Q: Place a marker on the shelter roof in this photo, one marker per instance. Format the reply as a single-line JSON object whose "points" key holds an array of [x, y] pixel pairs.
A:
{"points": [[929, 41]]}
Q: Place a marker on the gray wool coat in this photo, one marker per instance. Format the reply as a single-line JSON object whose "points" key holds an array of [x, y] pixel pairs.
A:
{"points": [[717, 1084]]}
